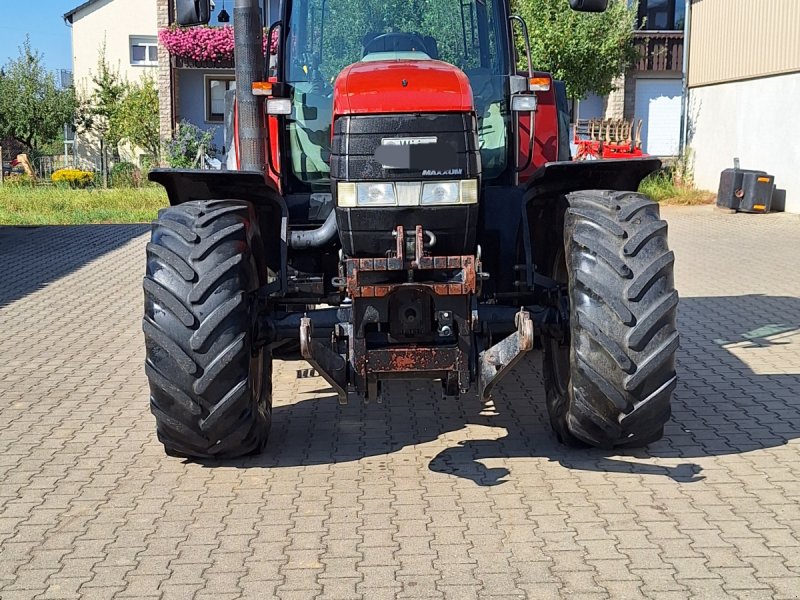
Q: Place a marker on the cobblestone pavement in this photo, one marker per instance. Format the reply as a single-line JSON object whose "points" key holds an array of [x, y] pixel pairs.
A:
{"points": [[413, 498]]}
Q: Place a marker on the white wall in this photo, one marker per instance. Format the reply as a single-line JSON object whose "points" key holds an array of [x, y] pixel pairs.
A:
{"points": [[757, 121], [112, 22]]}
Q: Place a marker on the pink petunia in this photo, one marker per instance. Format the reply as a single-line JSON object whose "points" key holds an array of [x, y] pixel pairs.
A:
{"points": [[205, 44]]}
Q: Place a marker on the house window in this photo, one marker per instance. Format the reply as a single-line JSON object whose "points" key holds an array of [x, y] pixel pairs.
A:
{"points": [[661, 15], [216, 87], [144, 50]]}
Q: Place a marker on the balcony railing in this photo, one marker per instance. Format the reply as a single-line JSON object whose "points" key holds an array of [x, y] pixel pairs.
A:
{"points": [[659, 50]]}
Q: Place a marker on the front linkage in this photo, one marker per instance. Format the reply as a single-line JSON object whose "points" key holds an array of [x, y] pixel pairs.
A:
{"points": [[414, 316]]}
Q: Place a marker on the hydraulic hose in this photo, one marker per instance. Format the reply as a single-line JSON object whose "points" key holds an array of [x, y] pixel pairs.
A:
{"points": [[314, 238]]}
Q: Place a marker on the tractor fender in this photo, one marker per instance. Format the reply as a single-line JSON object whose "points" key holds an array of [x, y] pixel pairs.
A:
{"points": [[543, 199], [556, 179], [186, 185]]}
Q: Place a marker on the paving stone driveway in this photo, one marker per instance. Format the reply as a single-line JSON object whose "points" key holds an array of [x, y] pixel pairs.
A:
{"points": [[413, 498]]}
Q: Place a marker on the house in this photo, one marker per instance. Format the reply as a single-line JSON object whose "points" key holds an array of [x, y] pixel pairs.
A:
{"points": [[744, 84], [128, 30], [652, 90], [188, 90], [194, 90]]}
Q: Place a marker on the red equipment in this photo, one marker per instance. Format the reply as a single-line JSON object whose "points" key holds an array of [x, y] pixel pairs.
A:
{"points": [[608, 138]]}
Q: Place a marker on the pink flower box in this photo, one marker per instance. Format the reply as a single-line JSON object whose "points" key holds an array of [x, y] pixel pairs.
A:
{"points": [[204, 44]]}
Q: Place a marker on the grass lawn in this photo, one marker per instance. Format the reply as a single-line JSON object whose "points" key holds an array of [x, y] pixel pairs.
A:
{"points": [[661, 188], [58, 206]]}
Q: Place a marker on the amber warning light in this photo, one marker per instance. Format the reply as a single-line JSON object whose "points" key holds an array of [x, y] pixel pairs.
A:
{"points": [[539, 84], [262, 88]]}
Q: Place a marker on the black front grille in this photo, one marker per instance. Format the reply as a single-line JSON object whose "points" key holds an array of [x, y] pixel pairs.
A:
{"points": [[453, 155]]}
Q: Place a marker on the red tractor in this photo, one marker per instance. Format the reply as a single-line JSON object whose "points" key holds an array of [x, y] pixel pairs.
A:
{"points": [[405, 207]]}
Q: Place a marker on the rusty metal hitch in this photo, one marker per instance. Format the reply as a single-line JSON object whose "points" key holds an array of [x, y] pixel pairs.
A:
{"points": [[496, 362], [330, 365]]}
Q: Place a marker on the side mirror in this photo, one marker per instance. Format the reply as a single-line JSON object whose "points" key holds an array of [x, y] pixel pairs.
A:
{"points": [[192, 12], [589, 5], [274, 48], [274, 38]]}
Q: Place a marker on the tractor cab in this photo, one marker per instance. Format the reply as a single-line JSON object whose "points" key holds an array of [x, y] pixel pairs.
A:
{"points": [[377, 40]]}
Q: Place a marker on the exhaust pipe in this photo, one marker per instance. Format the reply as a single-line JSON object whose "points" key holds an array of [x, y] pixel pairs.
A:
{"points": [[250, 67], [314, 238]]}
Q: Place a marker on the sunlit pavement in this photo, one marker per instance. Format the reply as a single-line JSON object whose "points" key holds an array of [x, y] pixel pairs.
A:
{"points": [[416, 497]]}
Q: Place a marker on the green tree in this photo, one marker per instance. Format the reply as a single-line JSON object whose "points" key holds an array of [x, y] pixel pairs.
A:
{"points": [[98, 110], [136, 117], [189, 143], [33, 108], [116, 110], [586, 50]]}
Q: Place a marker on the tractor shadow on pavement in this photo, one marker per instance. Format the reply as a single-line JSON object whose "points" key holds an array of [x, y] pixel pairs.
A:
{"points": [[32, 257], [739, 391]]}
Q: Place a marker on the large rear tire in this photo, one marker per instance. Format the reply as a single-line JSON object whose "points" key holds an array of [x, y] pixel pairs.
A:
{"points": [[210, 392], [610, 384]]}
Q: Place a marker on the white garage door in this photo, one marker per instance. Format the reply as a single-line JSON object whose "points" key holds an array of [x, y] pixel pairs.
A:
{"points": [[658, 104]]}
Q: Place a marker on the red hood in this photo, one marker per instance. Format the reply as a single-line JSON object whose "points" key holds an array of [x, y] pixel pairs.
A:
{"points": [[401, 86]]}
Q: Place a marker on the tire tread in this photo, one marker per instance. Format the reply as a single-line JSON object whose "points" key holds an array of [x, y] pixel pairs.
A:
{"points": [[624, 333], [200, 274]]}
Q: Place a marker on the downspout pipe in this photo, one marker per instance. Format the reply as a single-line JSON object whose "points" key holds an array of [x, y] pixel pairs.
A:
{"points": [[250, 67], [687, 32], [314, 238]]}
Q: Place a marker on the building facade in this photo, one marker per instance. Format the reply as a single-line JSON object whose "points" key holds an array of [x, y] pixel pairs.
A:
{"points": [[127, 30], [744, 84], [195, 91], [652, 90]]}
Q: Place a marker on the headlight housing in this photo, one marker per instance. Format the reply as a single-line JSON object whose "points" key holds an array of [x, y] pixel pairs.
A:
{"points": [[402, 193], [375, 194], [441, 192]]}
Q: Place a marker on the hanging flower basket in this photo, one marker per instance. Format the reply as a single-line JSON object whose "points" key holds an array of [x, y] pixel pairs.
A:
{"points": [[204, 46]]}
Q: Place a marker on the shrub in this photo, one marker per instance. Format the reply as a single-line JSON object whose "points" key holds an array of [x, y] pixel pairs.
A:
{"points": [[74, 178], [125, 174], [189, 143], [19, 180], [662, 187]]}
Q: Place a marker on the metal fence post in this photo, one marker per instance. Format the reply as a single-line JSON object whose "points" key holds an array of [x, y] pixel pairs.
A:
{"points": [[104, 163]]}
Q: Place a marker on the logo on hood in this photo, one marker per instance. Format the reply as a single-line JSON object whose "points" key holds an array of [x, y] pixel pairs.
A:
{"points": [[448, 173]]}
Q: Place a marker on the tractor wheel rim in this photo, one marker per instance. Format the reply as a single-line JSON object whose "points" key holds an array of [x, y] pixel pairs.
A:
{"points": [[560, 351], [257, 375]]}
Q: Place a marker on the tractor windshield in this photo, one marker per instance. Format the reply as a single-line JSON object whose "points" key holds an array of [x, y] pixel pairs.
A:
{"points": [[325, 36]]}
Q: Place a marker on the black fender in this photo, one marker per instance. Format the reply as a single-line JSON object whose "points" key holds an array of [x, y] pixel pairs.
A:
{"points": [[186, 185], [556, 179], [544, 202]]}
